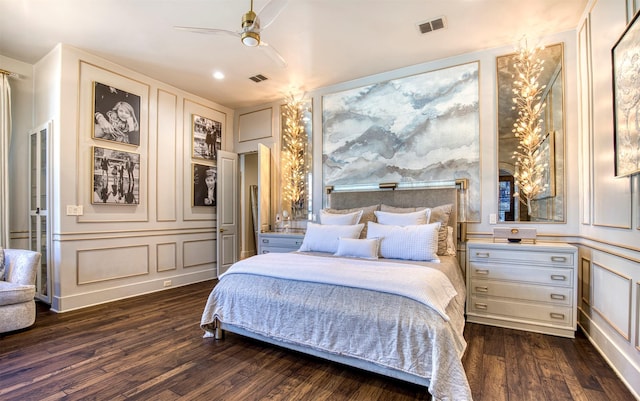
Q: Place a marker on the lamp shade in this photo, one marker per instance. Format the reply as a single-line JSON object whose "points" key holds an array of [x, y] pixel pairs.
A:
{"points": [[251, 39]]}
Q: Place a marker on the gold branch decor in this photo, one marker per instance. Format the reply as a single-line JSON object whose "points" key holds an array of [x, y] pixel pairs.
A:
{"points": [[294, 159], [529, 171]]}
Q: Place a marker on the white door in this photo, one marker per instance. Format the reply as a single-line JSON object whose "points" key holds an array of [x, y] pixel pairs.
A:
{"points": [[39, 206], [227, 210], [264, 188]]}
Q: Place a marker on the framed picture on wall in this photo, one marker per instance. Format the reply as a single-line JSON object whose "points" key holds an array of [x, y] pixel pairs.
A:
{"points": [[204, 185], [115, 178], [206, 137], [626, 100], [116, 115]]}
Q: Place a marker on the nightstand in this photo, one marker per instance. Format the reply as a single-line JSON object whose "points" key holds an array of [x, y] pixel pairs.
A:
{"points": [[523, 286], [279, 242]]}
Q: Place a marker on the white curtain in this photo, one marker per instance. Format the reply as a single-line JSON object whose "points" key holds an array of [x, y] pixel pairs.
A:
{"points": [[5, 140]]}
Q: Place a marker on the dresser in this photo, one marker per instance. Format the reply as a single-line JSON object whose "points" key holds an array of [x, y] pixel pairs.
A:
{"points": [[269, 242], [523, 286]]}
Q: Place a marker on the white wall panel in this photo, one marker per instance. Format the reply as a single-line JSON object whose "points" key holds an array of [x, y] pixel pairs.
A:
{"points": [[585, 281], [584, 123], [637, 342], [94, 213], [607, 24], [615, 309], [199, 253], [192, 107], [255, 125], [101, 264], [166, 257], [166, 156]]}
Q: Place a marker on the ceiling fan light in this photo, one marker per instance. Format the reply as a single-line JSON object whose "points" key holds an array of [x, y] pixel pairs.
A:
{"points": [[251, 39]]}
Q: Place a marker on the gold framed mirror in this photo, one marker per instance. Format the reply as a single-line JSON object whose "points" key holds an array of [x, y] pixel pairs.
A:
{"points": [[548, 158]]}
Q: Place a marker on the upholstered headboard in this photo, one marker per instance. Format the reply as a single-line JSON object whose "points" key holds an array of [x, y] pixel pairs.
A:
{"points": [[427, 197]]}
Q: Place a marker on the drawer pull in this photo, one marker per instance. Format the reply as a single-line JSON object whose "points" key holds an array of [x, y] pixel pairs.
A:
{"points": [[558, 258], [482, 271], [482, 254], [481, 306], [482, 289], [559, 316], [265, 241], [558, 277], [558, 296]]}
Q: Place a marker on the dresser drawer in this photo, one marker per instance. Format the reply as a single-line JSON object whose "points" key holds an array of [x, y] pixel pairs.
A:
{"points": [[556, 315], [525, 292], [285, 242], [275, 249], [521, 256], [274, 242], [539, 275]]}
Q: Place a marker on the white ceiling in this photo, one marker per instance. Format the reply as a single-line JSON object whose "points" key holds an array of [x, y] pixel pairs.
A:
{"points": [[323, 41]]}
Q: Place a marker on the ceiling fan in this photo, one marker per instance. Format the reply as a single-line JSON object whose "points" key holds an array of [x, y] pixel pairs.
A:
{"points": [[252, 25]]}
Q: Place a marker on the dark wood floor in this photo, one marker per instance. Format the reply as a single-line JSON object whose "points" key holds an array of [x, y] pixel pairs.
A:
{"points": [[151, 348]]}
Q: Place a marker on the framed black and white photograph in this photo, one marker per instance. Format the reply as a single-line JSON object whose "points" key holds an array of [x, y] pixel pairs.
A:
{"points": [[116, 177], [204, 185], [116, 115], [626, 107], [207, 137]]}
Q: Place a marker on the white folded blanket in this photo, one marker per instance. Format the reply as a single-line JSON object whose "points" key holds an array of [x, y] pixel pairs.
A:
{"points": [[420, 283]]}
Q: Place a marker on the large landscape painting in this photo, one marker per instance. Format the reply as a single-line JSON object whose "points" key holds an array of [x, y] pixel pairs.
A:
{"points": [[421, 128]]}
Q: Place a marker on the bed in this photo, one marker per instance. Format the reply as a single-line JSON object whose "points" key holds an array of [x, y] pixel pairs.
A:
{"points": [[355, 310]]}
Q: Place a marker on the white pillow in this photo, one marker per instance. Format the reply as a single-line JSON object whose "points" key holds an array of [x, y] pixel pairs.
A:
{"points": [[358, 248], [340, 218], [325, 237], [415, 242], [404, 219]]}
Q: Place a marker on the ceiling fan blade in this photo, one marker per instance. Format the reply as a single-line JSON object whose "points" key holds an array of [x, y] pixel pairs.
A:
{"points": [[270, 12], [208, 31], [273, 54]]}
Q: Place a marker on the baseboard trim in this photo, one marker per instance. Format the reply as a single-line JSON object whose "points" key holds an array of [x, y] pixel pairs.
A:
{"points": [[101, 296], [624, 368]]}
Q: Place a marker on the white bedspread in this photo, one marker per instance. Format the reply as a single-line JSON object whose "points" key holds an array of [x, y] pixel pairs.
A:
{"points": [[427, 285], [377, 326]]}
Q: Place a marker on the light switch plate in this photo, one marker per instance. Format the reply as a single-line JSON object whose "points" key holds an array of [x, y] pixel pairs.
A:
{"points": [[493, 219]]}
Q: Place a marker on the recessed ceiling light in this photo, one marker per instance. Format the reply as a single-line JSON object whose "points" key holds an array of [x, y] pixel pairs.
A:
{"points": [[218, 75]]}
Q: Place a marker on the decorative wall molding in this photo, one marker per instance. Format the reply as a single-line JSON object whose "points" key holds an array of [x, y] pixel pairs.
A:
{"points": [[615, 311], [255, 125], [100, 213], [637, 292], [166, 256], [103, 264], [167, 141], [585, 283], [199, 253]]}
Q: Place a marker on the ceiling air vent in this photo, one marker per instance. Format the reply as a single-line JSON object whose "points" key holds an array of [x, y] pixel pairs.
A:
{"points": [[258, 78], [431, 25]]}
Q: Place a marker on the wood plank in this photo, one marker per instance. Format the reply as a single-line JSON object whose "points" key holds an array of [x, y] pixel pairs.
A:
{"points": [[494, 381]]}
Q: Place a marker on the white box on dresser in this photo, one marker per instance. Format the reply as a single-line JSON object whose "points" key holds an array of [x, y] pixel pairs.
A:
{"points": [[523, 286], [279, 242]]}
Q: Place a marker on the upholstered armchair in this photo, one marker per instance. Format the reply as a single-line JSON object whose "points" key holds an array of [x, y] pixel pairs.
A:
{"points": [[17, 288]]}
